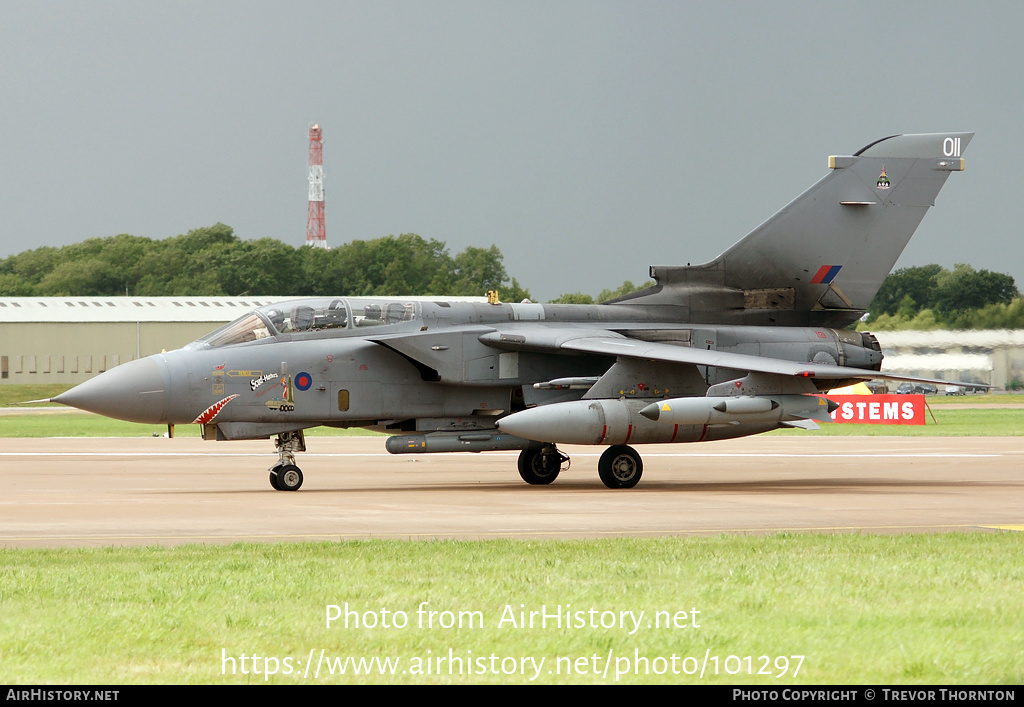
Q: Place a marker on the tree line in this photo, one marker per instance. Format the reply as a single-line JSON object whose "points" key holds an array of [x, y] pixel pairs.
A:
{"points": [[603, 296], [925, 297], [213, 262], [932, 297]]}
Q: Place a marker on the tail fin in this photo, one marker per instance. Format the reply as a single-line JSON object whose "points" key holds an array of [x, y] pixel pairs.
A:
{"points": [[821, 259]]}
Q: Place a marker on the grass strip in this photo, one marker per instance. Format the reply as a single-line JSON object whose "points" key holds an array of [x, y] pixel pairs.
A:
{"points": [[969, 422], [20, 393], [966, 422], [940, 608], [88, 425]]}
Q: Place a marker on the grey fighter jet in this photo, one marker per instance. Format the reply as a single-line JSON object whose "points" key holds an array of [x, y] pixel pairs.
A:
{"points": [[737, 346]]}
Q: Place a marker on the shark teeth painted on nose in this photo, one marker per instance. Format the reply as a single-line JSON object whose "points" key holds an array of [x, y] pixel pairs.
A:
{"points": [[211, 412]]}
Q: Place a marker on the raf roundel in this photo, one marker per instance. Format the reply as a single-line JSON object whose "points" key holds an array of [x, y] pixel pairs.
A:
{"points": [[303, 381]]}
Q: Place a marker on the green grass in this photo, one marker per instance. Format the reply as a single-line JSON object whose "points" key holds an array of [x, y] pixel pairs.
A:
{"points": [[1008, 422], [88, 425], [977, 399], [969, 422], [12, 394], [941, 608], [82, 425]]}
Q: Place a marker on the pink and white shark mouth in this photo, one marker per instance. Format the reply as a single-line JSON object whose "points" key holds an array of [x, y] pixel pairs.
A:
{"points": [[211, 412]]}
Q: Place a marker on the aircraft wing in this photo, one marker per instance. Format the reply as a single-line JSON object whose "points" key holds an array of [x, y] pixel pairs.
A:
{"points": [[611, 344]]}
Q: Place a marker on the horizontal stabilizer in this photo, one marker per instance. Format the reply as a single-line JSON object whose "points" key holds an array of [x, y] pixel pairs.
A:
{"points": [[802, 424]]}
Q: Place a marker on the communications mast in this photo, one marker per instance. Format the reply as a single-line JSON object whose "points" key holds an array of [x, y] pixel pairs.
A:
{"points": [[316, 232]]}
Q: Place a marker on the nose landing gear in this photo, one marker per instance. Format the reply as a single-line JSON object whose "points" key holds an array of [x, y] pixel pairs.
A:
{"points": [[540, 467], [285, 475]]}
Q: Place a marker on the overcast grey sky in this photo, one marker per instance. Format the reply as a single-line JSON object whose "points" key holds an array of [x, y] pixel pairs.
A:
{"points": [[587, 140]]}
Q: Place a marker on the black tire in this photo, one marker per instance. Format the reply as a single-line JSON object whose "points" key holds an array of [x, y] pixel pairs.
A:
{"points": [[620, 467], [289, 477], [539, 469], [273, 479]]}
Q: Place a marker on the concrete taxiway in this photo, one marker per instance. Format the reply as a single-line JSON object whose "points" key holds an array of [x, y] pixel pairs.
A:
{"points": [[102, 492]]}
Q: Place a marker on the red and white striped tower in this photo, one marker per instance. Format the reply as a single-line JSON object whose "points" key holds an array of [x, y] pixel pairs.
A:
{"points": [[316, 232]]}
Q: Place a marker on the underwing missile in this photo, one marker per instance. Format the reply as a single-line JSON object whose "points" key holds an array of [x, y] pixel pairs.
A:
{"points": [[475, 441], [735, 410], [615, 422], [587, 422]]}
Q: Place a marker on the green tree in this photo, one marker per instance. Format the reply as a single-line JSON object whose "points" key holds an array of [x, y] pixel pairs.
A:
{"points": [[320, 272], [606, 294], [993, 316], [87, 276], [213, 261], [263, 267], [411, 265], [931, 296], [574, 298], [478, 270], [965, 289], [14, 285], [908, 307], [514, 292], [918, 283], [192, 264], [393, 265], [32, 266]]}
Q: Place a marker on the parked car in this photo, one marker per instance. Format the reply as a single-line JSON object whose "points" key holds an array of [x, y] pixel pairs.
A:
{"points": [[954, 390], [981, 388], [917, 388]]}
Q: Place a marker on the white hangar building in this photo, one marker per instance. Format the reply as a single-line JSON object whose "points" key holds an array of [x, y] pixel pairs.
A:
{"points": [[71, 339], [992, 356]]}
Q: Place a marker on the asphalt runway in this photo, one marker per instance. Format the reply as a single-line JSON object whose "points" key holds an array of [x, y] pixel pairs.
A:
{"points": [[158, 491]]}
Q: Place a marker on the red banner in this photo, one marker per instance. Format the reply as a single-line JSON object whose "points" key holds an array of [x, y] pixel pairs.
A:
{"points": [[879, 409]]}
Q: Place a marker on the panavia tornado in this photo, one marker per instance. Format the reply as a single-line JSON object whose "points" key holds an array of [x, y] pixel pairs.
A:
{"points": [[737, 346]]}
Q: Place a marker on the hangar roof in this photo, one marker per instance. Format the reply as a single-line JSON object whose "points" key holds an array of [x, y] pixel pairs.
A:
{"points": [[145, 309], [128, 309], [939, 338]]}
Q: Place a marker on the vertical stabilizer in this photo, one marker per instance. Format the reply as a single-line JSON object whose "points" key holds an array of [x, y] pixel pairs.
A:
{"points": [[827, 252]]}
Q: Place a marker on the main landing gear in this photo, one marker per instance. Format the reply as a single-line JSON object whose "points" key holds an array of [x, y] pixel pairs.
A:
{"points": [[284, 475], [540, 467], [620, 467]]}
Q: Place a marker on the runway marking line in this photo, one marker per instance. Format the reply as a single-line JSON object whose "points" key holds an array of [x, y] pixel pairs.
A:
{"points": [[503, 534], [725, 455]]}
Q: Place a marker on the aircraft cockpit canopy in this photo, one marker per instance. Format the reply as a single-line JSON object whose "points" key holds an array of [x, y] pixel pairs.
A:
{"points": [[311, 316]]}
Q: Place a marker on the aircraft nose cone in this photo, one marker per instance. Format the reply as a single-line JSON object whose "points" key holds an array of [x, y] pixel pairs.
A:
{"points": [[135, 391]]}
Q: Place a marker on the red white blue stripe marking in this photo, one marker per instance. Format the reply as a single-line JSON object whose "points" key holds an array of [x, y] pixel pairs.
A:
{"points": [[826, 274]]}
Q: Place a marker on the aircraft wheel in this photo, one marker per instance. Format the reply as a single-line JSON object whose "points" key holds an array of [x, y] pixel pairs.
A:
{"points": [[289, 477], [539, 469], [620, 467], [273, 479]]}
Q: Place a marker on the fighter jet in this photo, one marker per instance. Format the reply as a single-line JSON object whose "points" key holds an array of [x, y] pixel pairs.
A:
{"points": [[737, 346]]}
